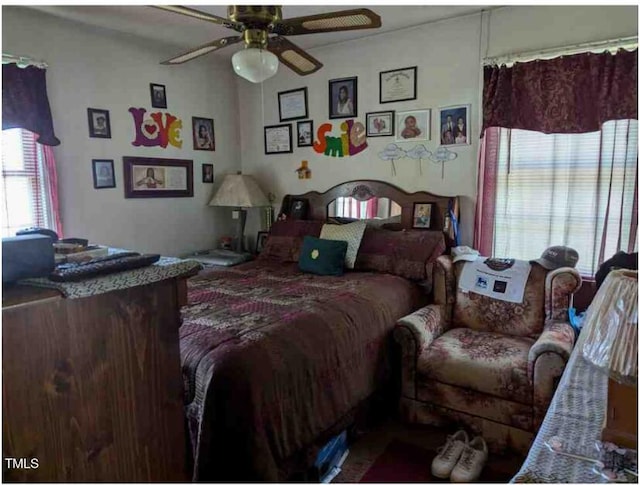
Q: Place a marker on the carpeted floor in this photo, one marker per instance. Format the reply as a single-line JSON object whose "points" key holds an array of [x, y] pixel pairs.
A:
{"points": [[397, 453]]}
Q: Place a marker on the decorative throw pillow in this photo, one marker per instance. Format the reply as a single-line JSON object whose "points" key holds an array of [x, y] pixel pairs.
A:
{"points": [[285, 240], [351, 233], [322, 256]]}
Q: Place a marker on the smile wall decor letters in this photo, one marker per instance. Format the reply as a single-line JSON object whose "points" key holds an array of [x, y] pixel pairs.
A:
{"points": [[351, 141], [158, 129]]}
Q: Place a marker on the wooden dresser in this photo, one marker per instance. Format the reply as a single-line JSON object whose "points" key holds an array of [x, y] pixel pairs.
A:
{"points": [[92, 386]]}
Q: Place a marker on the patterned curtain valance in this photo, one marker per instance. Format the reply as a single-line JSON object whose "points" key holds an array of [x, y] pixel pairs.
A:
{"points": [[568, 94], [25, 103]]}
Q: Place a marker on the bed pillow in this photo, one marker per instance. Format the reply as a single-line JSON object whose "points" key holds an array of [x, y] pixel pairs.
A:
{"points": [[351, 233], [403, 253], [322, 256], [285, 240]]}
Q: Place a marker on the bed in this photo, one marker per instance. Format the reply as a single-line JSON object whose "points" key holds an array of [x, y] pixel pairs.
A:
{"points": [[276, 361]]}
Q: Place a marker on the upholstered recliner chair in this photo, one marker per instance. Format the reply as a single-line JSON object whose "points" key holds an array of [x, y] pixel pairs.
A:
{"points": [[490, 364]]}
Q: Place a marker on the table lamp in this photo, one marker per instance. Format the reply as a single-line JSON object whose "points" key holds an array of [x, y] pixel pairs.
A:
{"points": [[240, 191], [611, 343]]}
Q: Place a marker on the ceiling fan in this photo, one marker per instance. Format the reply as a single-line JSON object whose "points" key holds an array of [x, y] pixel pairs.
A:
{"points": [[262, 31]]}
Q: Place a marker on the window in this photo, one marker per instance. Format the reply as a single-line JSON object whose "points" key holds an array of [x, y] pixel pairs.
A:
{"points": [[576, 190], [25, 191]]}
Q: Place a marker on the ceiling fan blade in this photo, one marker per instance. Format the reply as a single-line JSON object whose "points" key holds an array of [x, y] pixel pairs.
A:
{"points": [[359, 18], [293, 56], [202, 50], [190, 12]]}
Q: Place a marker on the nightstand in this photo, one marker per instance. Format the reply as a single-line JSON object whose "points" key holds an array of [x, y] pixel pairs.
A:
{"points": [[219, 257]]}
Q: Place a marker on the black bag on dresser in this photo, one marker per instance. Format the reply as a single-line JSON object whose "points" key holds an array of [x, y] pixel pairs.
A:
{"points": [[26, 257]]}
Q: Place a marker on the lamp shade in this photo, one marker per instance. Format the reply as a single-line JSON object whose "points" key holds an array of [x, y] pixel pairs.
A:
{"points": [[239, 190], [611, 327], [255, 65]]}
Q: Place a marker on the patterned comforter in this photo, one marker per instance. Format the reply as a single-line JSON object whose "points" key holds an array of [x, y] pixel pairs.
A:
{"points": [[272, 358]]}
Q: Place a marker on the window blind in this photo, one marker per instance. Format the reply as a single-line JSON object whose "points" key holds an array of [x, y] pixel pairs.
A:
{"points": [[23, 183], [576, 190]]}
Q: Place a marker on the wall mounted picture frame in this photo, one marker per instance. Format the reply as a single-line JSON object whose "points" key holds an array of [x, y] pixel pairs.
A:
{"points": [[343, 98], [99, 123], [399, 85], [422, 213], [158, 95], [381, 123], [157, 177], [278, 139], [454, 125], [207, 173], [261, 241], [104, 176], [414, 125], [293, 104], [304, 131], [203, 133]]}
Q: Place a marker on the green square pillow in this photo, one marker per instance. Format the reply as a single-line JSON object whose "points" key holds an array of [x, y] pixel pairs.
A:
{"points": [[322, 256]]}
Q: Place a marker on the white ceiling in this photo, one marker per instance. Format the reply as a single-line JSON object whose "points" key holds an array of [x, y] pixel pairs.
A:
{"points": [[185, 32]]}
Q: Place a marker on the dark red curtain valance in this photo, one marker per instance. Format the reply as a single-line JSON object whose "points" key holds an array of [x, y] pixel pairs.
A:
{"points": [[568, 94], [25, 103]]}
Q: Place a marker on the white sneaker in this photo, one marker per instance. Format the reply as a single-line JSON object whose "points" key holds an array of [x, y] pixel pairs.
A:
{"points": [[471, 462], [447, 458]]}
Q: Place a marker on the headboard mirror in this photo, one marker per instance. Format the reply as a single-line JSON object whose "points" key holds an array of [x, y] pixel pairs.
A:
{"points": [[417, 210], [373, 208]]}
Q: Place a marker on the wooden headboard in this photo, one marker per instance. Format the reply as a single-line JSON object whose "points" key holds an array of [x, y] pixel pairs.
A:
{"points": [[366, 189]]}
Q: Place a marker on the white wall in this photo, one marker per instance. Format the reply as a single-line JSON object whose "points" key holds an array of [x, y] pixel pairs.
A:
{"points": [[90, 67], [448, 55]]}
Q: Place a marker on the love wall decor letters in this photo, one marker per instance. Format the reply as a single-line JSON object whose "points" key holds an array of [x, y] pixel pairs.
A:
{"points": [[156, 129], [351, 141]]}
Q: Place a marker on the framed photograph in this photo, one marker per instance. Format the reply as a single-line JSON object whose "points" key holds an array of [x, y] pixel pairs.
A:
{"points": [[158, 95], [203, 135], [422, 215], [207, 173], [261, 240], [343, 98], [298, 208], [277, 139], [454, 125], [380, 123], [104, 176], [99, 123], [399, 85], [292, 104], [413, 125], [305, 133], [157, 177]]}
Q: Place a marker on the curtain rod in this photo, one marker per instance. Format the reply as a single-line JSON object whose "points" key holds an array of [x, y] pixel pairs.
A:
{"points": [[23, 61], [603, 45]]}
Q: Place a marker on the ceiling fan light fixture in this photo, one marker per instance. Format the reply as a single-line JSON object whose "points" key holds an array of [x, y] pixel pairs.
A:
{"points": [[254, 64]]}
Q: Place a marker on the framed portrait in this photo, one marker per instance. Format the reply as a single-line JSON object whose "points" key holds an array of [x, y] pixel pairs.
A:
{"points": [[278, 139], [207, 173], [203, 134], [380, 123], [343, 98], [399, 85], [413, 125], [454, 125], [298, 208], [157, 177], [261, 240], [422, 215], [104, 176], [292, 104], [305, 133], [99, 123], [158, 95]]}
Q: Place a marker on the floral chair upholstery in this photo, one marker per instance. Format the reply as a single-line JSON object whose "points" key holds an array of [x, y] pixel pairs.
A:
{"points": [[491, 364]]}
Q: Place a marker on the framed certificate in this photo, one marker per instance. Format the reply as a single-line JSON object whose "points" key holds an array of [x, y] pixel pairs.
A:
{"points": [[399, 85], [277, 139], [292, 104]]}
